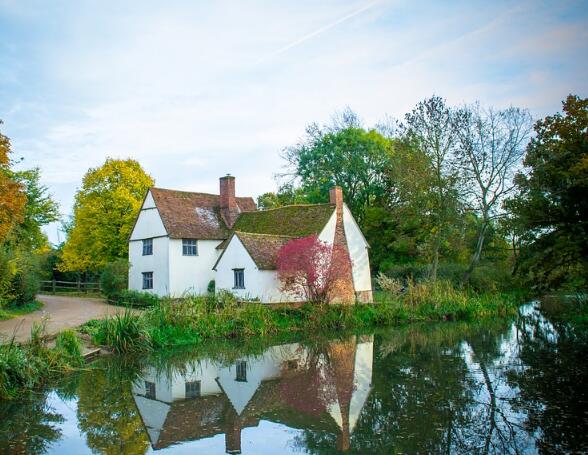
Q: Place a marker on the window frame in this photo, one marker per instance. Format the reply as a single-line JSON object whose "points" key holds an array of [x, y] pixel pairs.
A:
{"points": [[187, 246], [192, 389], [150, 391], [241, 371], [147, 279], [148, 247], [238, 284]]}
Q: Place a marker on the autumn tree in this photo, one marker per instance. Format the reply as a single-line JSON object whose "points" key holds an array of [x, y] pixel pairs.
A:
{"points": [[491, 145], [551, 207], [310, 269], [104, 212], [12, 195]]}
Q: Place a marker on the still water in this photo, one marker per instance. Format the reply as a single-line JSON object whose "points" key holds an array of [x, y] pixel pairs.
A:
{"points": [[502, 386]]}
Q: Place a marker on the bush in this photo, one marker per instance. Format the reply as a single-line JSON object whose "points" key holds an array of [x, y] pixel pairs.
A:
{"points": [[211, 287], [19, 277], [68, 343], [124, 333], [135, 299], [114, 278], [392, 285]]}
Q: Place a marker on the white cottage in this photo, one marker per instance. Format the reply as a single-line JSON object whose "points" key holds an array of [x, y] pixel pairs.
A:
{"points": [[181, 241]]}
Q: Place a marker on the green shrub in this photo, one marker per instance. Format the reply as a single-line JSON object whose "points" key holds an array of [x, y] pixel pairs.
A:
{"points": [[135, 299], [211, 287], [124, 332], [68, 343], [114, 278]]}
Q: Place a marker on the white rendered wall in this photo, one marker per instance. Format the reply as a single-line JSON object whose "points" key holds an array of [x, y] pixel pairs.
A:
{"points": [[149, 222], [359, 252], [261, 284], [191, 274], [158, 263], [328, 232]]}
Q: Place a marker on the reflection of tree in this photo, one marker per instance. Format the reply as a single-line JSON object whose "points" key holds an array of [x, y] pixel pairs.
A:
{"points": [[28, 427], [424, 398], [107, 414], [551, 390]]}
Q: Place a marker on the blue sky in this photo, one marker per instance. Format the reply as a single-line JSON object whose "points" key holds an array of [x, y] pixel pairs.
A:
{"points": [[194, 90]]}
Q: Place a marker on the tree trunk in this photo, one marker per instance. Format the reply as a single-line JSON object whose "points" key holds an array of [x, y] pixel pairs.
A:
{"points": [[435, 263], [477, 253]]}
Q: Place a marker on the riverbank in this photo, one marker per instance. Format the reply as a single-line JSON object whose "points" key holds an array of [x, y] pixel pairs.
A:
{"points": [[197, 320]]}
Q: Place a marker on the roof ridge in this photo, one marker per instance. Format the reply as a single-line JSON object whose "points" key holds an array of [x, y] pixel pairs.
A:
{"points": [[320, 204], [259, 234], [198, 193]]}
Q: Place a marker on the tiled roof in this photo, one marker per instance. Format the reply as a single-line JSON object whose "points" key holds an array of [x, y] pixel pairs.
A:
{"points": [[194, 215], [263, 248], [292, 220]]}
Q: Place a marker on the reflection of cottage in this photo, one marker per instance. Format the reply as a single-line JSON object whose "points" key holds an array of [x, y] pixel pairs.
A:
{"points": [[181, 241], [287, 384]]}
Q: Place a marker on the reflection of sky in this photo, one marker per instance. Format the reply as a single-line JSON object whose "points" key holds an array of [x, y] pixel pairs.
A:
{"points": [[72, 440], [267, 438]]}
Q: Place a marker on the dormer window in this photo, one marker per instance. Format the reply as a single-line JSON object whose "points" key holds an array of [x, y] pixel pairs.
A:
{"points": [[147, 247]]}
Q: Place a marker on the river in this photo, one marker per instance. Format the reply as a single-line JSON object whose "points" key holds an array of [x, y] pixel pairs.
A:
{"points": [[500, 386]]}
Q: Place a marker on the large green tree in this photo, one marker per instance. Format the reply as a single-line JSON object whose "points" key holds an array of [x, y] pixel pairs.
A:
{"points": [[104, 212], [344, 154], [551, 208]]}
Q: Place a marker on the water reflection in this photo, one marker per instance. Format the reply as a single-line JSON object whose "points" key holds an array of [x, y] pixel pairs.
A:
{"points": [[291, 384], [494, 387]]}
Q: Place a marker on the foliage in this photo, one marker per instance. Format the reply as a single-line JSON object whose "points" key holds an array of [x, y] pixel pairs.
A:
{"points": [[390, 285], [287, 195], [12, 194], [19, 280], [114, 277], [123, 333], [551, 208], [342, 154], [105, 210], [309, 268], [134, 299], [68, 343], [12, 311]]}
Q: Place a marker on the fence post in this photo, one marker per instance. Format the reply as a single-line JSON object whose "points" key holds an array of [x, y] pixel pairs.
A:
{"points": [[53, 286], [79, 285]]}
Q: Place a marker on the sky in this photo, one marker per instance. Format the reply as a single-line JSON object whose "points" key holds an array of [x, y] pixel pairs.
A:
{"points": [[196, 90]]}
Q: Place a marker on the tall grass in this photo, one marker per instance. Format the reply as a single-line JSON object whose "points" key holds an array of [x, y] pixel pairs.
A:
{"points": [[191, 320], [24, 367]]}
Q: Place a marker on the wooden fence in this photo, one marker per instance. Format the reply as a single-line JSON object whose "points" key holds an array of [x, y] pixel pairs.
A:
{"points": [[55, 286]]}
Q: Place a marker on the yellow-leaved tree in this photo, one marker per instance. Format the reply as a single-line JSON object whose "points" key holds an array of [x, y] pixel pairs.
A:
{"points": [[104, 213]]}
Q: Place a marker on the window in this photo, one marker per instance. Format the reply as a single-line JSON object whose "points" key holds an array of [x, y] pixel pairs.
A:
{"points": [[241, 375], [147, 280], [147, 247], [150, 390], [192, 389], [189, 247], [239, 278]]}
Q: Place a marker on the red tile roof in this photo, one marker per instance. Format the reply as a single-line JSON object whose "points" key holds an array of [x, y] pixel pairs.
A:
{"points": [[194, 215]]}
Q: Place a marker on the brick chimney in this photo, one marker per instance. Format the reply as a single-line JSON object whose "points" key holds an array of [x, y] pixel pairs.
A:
{"points": [[344, 288], [228, 203], [336, 197]]}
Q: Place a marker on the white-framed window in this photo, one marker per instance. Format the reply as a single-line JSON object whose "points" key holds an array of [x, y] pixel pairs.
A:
{"points": [[192, 389], [189, 247], [150, 390], [147, 280], [147, 247], [239, 278], [241, 373]]}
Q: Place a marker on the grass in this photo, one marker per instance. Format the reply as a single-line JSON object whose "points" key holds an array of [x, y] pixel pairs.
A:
{"points": [[26, 367], [193, 320], [14, 311]]}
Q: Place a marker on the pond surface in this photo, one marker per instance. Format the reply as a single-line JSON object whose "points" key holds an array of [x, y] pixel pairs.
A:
{"points": [[504, 386]]}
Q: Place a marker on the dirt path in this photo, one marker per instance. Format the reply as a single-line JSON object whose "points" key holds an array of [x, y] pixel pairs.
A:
{"points": [[63, 313]]}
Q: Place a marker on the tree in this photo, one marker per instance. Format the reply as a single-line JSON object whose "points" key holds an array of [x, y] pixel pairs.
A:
{"points": [[342, 154], [12, 196], [551, 206], [104, 212], [287, 195], [430, 127], [310, 268], [491, 147]]}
